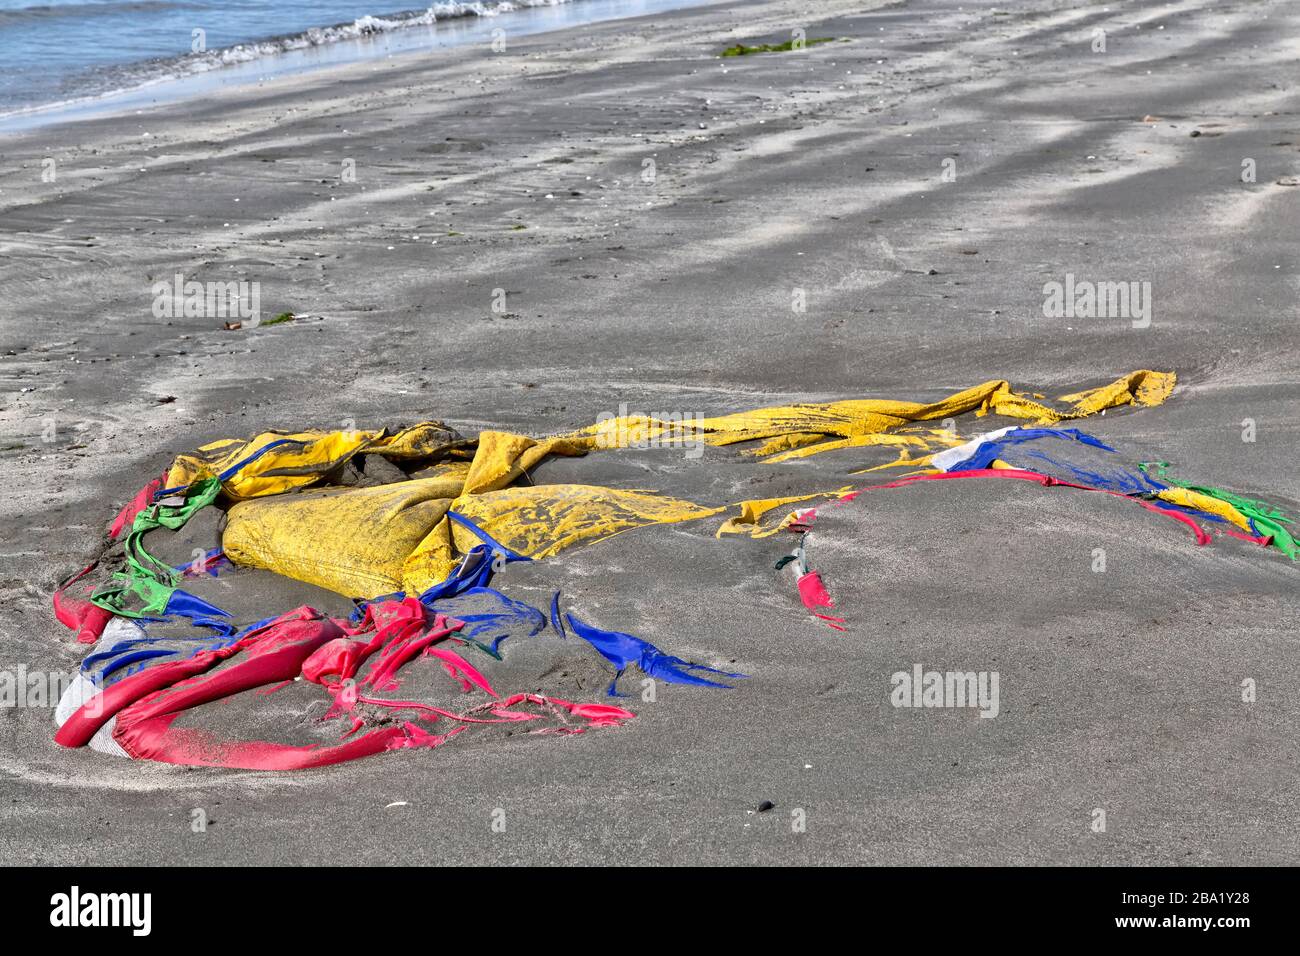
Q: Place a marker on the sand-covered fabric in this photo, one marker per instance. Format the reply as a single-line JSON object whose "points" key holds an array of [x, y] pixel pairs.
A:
{"points": [[363, 542]]}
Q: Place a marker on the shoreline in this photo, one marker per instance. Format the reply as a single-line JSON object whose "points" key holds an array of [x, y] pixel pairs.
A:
{"points": [[321, 48]]}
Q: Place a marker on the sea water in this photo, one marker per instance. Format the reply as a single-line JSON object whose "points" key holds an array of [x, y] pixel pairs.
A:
{"points": [[62, 58]]}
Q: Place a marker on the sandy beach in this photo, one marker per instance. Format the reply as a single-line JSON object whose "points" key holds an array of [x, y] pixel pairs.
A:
{"points": [[617, 216]]}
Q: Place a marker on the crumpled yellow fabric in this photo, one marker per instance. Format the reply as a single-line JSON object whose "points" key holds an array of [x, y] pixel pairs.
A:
{"points": [[1143, 387], [502, 457], [750, 519], [791, 431], [537, 522], [301, 458], [355, 541], [363, 542]]}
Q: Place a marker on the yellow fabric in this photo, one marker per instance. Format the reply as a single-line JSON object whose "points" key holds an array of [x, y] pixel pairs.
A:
{"points": [[538, 522], [311, 455], [1215, 506], [433, 559], [1136, 388], [749, 521], [503, 457], [355, 541], [857, 441], [363, 542], [785, 443], [458, 470], [542, 520], [791, 430]]}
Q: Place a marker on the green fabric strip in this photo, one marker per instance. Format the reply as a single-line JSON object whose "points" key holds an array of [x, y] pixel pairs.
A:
{"points": [[144, 589], [1266, 517]]}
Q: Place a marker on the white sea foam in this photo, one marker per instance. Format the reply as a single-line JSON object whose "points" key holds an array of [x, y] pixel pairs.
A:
{"points": [[361, 27]]}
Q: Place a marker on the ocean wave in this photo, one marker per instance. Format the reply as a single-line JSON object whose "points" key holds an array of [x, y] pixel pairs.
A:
{"points": [[118, 79], [369, 25], [366, 26]]}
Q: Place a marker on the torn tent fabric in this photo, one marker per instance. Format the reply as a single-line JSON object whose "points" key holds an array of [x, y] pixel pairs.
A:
{"points": [[412, 522], [409, 535]]}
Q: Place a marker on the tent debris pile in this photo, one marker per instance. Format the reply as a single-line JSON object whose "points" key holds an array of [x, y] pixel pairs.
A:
{"points": [[411, 526]]}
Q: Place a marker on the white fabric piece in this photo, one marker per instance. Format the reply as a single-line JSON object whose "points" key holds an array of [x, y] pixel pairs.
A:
{"points": [[946, 459], [82, 689], [78, 692], [103, 740]]}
